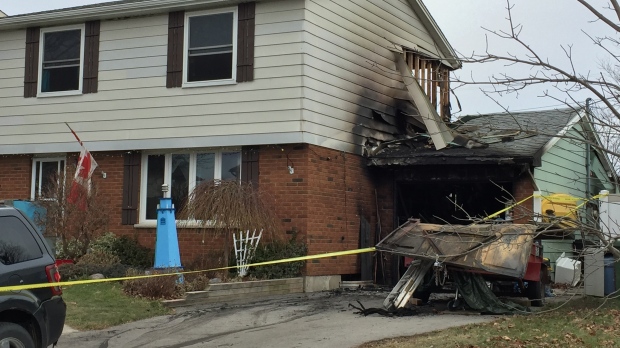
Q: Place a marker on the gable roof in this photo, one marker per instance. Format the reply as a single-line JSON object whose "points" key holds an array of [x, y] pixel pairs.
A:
{"points": [[450, 57], [511, 138]]}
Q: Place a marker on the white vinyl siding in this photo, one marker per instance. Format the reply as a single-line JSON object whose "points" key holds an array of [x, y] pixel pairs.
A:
{"points": [[134, 109], [349, 70], [321, 67]]}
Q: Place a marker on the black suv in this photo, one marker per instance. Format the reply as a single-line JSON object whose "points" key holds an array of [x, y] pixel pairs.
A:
{"points": [[28, 318]]}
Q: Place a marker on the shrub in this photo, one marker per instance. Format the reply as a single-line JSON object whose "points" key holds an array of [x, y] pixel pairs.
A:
{"points": [[152, 288], [99, 257], [278, 250], [72, 249], [132, 253], [105, 243], [193, 282]]}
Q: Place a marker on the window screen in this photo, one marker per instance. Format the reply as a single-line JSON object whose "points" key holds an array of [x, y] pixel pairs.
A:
{"points": [[61, 61], [210, 51]]}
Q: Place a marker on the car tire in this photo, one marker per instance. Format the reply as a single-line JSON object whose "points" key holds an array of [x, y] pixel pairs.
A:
{"points": [[15, 336]]}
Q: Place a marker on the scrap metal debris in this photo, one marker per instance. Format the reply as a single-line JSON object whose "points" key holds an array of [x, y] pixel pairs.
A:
{"points": [[398, 312]]}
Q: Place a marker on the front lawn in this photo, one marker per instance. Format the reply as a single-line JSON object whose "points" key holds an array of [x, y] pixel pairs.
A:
{"points": [[579, 323], [101, 305]]}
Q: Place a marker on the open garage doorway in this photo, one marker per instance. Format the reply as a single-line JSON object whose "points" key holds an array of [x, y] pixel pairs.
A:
{"points": [[440, 202]]}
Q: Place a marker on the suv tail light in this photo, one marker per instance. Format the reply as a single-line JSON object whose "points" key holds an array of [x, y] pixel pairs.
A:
{"points": [[53, 276]]}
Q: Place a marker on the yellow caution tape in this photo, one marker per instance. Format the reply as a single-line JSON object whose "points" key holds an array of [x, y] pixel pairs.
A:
{"points": [[552, 199], [560, 199], [507, 208], [92, 281]]}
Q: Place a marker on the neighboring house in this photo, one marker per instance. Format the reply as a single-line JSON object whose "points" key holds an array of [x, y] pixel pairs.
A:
{"points": [[2, 14], [526, 151], [183, 91]]}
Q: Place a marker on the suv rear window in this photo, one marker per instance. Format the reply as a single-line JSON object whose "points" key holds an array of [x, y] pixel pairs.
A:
{"points": [[16, 242]]}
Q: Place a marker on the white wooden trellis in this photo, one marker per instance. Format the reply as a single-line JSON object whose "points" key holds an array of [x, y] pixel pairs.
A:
{"points": [[245, 247]]}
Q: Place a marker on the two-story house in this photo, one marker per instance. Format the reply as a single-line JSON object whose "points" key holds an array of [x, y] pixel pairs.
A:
{"points": [[280, 93]]}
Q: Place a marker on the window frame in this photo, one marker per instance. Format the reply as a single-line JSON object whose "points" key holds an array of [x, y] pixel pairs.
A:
{"points": [[186, 30], [37, 195], [82, 28], [142, 220]]}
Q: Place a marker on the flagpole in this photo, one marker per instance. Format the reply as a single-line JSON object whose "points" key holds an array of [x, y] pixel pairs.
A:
{"points": [[75, 135]]}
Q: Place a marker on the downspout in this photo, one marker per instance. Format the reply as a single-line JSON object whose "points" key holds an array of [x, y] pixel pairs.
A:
{"points": [[588, 188]]}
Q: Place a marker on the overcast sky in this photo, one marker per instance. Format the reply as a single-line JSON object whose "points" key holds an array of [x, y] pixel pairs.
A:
{"points": [[546, 26]]}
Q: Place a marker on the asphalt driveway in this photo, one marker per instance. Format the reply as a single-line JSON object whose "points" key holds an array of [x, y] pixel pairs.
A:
{"points": [[303, 320]]}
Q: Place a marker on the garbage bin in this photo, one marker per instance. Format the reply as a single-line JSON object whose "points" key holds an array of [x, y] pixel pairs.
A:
{"points": [[610, 275]]}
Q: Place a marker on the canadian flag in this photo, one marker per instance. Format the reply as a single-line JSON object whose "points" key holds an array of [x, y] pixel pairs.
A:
{"points": [[80, 188]]}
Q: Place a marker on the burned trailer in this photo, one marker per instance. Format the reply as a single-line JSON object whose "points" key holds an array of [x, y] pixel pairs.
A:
{"points": [[494, 252]]}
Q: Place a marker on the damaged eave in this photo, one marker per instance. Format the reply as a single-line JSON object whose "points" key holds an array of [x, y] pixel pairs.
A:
{"points": [[413, 160]]}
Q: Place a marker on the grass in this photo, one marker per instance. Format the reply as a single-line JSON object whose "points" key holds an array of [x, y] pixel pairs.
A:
{"points": [[101, 305], [579, 323]]}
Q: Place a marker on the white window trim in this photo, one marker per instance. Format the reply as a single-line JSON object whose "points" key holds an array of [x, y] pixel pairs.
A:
{"points": [[143, 222], [233, 79], [33, 176], [82, 29]]}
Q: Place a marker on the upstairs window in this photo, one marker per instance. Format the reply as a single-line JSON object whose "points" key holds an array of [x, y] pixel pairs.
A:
{"points": [[211, 54], [212, 47], [61, 60]]}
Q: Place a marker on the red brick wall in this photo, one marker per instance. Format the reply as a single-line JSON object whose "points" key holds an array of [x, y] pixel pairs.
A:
{"points": [[321, 202], [342, 193], [523, 188], [15, 176]]}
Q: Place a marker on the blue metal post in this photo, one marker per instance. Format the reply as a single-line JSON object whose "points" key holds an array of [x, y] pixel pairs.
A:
{"points": [[167, 243]]}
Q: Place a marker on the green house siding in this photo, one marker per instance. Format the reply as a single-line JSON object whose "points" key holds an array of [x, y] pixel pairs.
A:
{"points": [[563, 168]]}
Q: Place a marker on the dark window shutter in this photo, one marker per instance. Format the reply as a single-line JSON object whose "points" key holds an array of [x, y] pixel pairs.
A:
{"points": [[91, 57], [31, 75], [131, 188], [245, 42], [249, 164], [174, 74]]}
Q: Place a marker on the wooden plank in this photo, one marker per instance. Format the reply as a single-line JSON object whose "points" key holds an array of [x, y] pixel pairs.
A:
{"points": [[429, 80], [416, 67], [434, 84], [366, 241]]}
